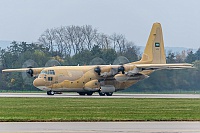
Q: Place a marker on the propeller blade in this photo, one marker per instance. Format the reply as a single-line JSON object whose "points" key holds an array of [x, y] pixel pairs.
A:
{"points": [[121, 60], [97, 61], [52, 62], [28, 74]]}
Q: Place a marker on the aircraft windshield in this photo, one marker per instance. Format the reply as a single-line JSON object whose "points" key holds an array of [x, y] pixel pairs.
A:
{"points": [[43, 72], [50, 72]]}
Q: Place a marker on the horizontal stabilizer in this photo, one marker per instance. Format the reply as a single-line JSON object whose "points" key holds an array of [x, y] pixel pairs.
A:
{"points": [[163, 66]]}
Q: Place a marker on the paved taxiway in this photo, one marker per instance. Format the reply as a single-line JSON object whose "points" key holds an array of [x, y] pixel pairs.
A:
{"points": [[115, 95], [101, 127]]}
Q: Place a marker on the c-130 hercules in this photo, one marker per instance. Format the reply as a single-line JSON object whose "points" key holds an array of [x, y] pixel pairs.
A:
{"points": [[104, 79]]}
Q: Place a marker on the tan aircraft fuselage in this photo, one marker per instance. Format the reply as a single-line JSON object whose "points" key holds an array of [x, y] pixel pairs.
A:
{"points": [[80, 79]]}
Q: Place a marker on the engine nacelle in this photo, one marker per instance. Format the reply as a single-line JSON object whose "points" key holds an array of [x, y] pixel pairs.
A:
{"points": [[92, 85], [103, 71], [123, 77], [34, 71], [126, 68]]}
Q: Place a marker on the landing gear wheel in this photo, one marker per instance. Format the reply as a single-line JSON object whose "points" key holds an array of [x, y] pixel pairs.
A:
{"points": [[101, 94], [50, 93], [109, 94], [81, 93], [89, 93]]}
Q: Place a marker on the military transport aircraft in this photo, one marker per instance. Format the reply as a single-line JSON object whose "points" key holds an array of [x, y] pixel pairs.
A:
{"points": [[104, 79]]}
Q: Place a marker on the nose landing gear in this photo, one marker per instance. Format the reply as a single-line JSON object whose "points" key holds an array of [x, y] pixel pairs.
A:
{"points": [[50, 93]]}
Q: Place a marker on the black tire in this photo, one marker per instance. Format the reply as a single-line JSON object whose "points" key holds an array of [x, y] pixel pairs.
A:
{"points": [[89, 93], [81, 93], [109, 94], [50, 93], [101, 94]]}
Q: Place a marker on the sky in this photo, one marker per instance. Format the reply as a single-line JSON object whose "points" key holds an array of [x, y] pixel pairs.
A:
{"points": [[26, 20]]}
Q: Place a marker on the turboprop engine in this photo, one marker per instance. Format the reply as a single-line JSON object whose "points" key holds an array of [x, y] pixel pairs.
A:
{"points": [[104, 71], [92, 85], [33, 71], [127, 68]]}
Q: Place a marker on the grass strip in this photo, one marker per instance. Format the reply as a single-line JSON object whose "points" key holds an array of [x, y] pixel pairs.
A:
{"points": [[94, 109]]}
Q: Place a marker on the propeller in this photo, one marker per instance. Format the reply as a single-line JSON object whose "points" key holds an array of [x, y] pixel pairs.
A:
{"points": [[97, 70], [121, 69], [52, 62], [108, 71], [29, 73], [121, 60], [97, 61]]}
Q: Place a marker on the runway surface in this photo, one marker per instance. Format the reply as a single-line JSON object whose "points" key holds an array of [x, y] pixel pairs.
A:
{"points": [[101, 127], [115, 95]]}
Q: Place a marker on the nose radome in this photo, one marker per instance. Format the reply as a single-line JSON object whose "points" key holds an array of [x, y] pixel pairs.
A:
{"points": [[39, 82]]}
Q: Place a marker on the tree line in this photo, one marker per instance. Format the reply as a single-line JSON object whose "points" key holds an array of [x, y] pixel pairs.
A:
{"points": [[70, 40], [84, 45]]}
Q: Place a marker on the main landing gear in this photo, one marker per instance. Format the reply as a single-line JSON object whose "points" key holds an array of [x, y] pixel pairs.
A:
{"points": [[83, 93], [105, 93], [100, 93]]}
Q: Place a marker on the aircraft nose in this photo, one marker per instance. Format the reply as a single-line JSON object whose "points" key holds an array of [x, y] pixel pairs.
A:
{"points": [[39, 82]]}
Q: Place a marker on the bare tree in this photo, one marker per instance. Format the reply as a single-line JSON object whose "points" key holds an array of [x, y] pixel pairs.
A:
{"points": [[119, 42], [103, 41], [47, 39], [79, 39], [62, 43], [70, 40], [113, 37], [90, 35]]}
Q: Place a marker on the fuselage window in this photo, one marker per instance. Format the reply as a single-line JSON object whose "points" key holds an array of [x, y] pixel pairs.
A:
{"points": [[50, 78]]}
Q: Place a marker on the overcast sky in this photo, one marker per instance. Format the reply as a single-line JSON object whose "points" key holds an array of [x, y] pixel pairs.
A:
{"points": [[26, 20]]}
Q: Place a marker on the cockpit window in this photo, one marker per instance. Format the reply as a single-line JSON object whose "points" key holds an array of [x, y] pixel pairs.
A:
{"points": [[51, 72], [43, 72]]}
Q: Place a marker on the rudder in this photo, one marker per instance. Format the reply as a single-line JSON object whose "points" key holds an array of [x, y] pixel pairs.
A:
{"points": [[154, 52]]}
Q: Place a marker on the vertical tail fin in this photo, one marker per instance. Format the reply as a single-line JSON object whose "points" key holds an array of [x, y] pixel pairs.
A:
{"points": [[154, 52]]}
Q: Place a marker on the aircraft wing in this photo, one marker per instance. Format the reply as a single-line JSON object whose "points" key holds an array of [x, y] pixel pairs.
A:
{"points": [[22, 69], [132, 69], [16, 70], [31, 71], [163, 66]]}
